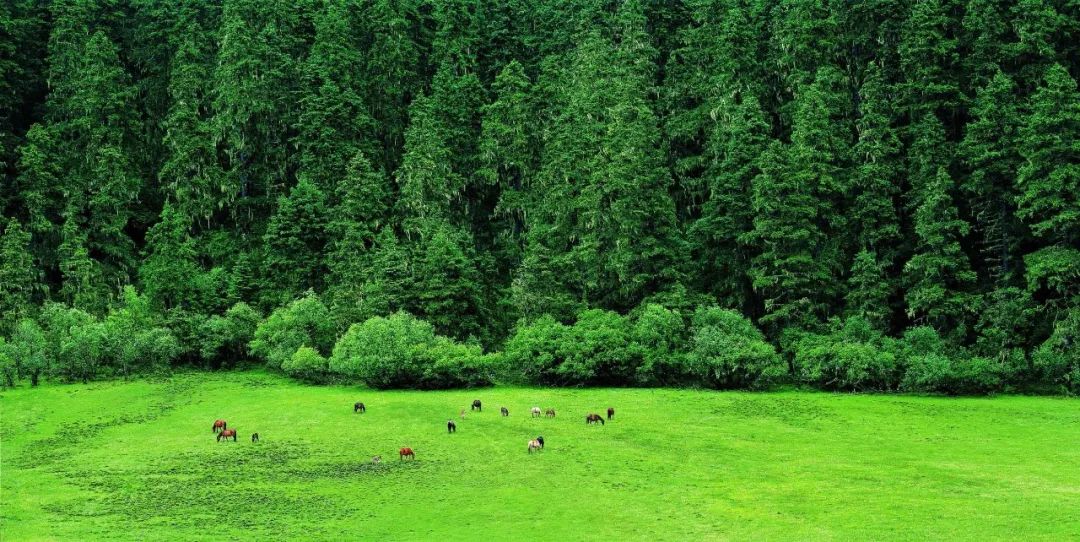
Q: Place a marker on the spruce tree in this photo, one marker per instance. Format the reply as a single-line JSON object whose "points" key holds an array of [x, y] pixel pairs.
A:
{"points": [[295, 241], [939, 277], [878, 170], [868, 290], [18, 275]]}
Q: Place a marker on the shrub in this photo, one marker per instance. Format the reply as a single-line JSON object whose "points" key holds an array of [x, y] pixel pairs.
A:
{"points": [[8, 370], [727, 351], [598, 350], [660, 334], [853, 357], [1057, 359], [402, 351], [927, 372], [308, 365], [223, 339], [532, 351], [304, 322]]}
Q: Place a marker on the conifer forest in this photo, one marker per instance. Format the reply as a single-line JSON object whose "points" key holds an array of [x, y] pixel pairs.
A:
{"points": [[874, 195]]}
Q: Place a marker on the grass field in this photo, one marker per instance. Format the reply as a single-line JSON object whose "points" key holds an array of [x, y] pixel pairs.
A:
{"points": [[138, 461]]}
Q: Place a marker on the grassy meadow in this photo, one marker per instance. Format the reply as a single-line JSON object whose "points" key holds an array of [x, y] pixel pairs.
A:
{"points": [[138, 461]]}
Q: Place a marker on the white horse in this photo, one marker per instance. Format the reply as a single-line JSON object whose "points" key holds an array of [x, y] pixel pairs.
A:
{"points": [[535, 412], [534, 445]]}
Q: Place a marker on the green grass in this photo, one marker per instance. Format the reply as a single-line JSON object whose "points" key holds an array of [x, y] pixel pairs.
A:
{"points": [[138, 461]]}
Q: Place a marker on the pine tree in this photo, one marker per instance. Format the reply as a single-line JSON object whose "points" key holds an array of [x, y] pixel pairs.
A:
{"points": [[169, 270], [295, 241], [429, 186], [1049, 179], [989, 151], [18, 276], [448, 293], [929, 58], [868, 290], [878, 170], [939, 278], [733, 155], [334, 121]]}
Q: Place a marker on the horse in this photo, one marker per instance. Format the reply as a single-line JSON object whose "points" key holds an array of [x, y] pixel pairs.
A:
{"points": [[504, 411], [610, 413], [219, 424], [359, 407], [593, 418], [535, 412], [406, 452], [376, 459], [451, 427], [540, 439], [476, 405], [550, 413], [226, 433], [254, 437], [534, 445]]}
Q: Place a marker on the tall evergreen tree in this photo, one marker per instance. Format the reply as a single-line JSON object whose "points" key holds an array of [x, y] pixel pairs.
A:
{"points": [[939, 277], [295, 242], [18, 276], [878, 169], [868, 290]]}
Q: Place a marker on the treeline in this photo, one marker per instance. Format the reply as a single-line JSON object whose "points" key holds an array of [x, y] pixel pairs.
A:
{"points": [[889, 191]]}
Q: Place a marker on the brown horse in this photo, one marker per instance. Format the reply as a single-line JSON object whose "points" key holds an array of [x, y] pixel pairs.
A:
{"points": [[359, 407], [534, 445], [219, 425], [226, 433], [610, 413], [254, 437], [593, 418], [476, 405], [406, 452], [504, 411], [550, 413]]}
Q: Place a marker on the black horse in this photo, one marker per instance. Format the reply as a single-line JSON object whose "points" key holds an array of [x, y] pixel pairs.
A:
{"points": [[476, 405], [254, 437], [504, 411], [540, 439], [451, 427], [610, 413], [359, 407]]}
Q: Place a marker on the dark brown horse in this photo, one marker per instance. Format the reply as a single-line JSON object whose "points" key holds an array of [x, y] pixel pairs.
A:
{"points": [[226, 433], [504, 411], [540, 439], [451, 427], [550, 413], [610, 413], [406, 452], [594, 418], [476, 405], [254, 437], [359, 407], [219, 425]]}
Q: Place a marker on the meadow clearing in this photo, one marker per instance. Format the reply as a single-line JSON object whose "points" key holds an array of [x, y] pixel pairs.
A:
{"points": [[138, 461]]}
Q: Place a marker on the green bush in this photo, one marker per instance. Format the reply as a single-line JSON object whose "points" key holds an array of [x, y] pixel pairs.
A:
{"points": [[223, 340], [1057, 359], [9, 371], [660, 334], [29, 349], [532, 351], [597, 350], [402, 351], [304, 322], [308, 365], [927, 373], [728, 352], [854, 357]]}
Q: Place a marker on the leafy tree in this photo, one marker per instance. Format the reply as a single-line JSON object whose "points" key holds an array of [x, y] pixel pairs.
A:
{"points": [[306, 364], [29, 350], [727, 351], [304, 322]]}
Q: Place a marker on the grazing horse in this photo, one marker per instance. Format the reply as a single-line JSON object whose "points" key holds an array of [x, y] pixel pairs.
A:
{"points": [[534, 445], [540, 439], [376, 459], [254, 437], [504, 411], [226, 433], [535, 412], [219, 425], [550, 413], [451, 427], [476, 405], [359, 407], [406, 452], [593, 418], [610, 413]]}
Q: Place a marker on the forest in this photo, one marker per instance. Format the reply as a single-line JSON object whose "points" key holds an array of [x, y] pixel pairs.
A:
{"points": [[877, 195]]}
